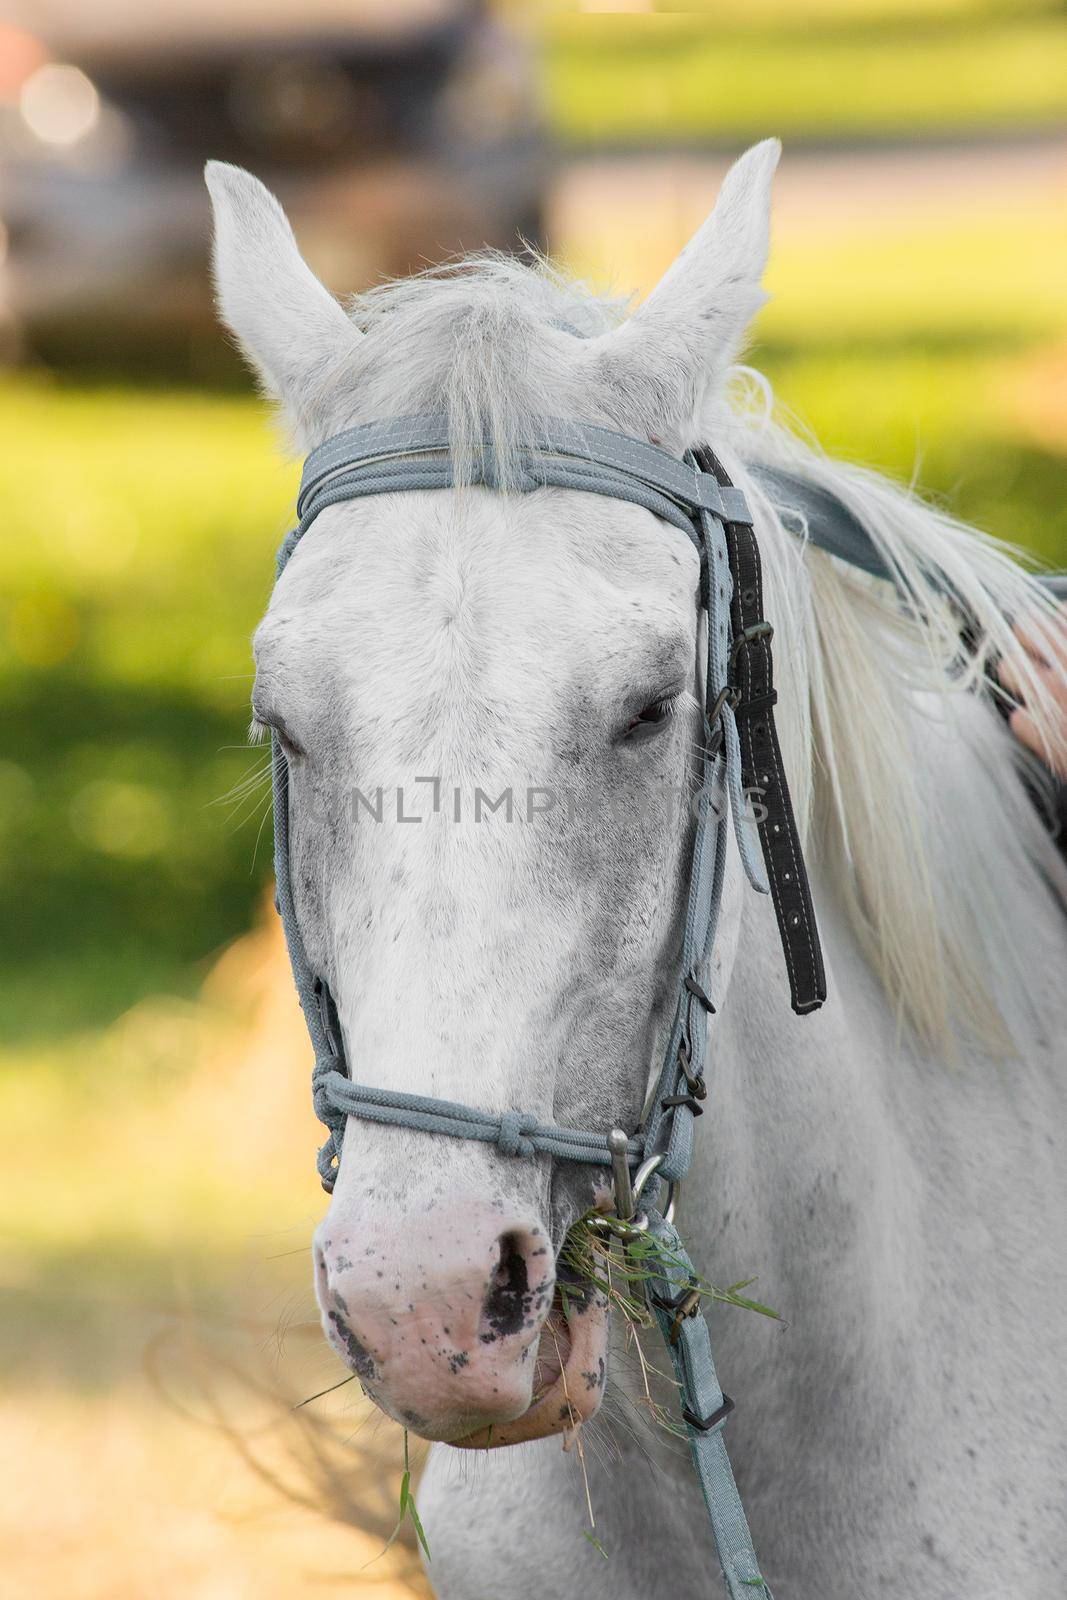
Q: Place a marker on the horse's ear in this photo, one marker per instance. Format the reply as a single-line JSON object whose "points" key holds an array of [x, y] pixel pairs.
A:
{"points": [[667, 356], [292, 331]]}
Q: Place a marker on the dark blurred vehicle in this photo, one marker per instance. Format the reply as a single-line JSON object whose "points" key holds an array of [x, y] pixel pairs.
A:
{"points": [[396, 133]]}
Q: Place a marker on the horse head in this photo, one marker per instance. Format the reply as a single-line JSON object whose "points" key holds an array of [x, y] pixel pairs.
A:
{"points": [[490, 710]]}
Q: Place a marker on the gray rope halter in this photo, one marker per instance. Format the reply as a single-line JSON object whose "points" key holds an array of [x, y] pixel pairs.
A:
{"points": [[413, 453]]}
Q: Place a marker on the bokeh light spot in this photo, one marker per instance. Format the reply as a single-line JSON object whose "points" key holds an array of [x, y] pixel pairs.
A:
{"points": [[59, 105], [121, 819]]}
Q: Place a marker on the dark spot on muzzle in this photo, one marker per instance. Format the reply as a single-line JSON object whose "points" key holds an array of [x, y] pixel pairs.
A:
{"points": [[595, 1380], [508, 1301], [359, 1357]]}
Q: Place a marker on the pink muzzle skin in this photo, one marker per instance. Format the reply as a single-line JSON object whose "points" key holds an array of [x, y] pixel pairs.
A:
{"points": [[451, 1326]]}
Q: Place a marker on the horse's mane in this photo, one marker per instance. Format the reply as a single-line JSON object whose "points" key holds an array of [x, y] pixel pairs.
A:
{"points": [[904, 779], [905, 776]]}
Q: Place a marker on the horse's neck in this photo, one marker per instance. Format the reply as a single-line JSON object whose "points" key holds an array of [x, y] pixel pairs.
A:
{"points": [[888, 1203], [821, 1132], [791, 1172]]}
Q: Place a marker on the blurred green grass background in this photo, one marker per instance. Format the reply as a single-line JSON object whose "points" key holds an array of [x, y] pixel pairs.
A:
{"points": [[859, 71], [140, 525]]}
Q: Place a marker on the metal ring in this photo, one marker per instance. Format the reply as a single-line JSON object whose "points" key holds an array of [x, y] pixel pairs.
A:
{"points": [[629, 1227], [644, 1172], [602, 1223], [641, 1177], [726, 695]]}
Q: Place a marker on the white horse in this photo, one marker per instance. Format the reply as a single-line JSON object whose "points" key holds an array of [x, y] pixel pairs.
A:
{"points": [[888, 1167]]}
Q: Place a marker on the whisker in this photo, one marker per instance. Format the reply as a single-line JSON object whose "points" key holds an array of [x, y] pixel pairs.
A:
{"points": [[332, 1388], [248, 784], [259, 834], [245, 810]]}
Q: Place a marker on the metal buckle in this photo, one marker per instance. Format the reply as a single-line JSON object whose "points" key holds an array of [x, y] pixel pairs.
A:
{"points": [[705, 1424], [696, 1085], [698, 992], [686, 1303], [758, 630], [671, 1102], [626, 1222], [713, 719]]}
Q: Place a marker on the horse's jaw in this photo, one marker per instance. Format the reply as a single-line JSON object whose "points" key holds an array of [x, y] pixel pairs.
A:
{"points": [[570, 1372]]}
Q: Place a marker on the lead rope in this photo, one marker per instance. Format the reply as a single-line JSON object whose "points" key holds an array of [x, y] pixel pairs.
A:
{"points": [[412, 453], [705, 1407]]}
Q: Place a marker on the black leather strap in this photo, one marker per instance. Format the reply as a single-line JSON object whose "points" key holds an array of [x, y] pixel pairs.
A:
{"points": [[763, 775]]}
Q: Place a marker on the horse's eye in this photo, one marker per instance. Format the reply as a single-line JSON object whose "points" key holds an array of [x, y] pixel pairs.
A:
{"points": [[264, 724], [652, 719]]}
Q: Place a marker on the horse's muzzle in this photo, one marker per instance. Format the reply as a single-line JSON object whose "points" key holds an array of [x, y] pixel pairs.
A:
{"points": [[450, 1325]]}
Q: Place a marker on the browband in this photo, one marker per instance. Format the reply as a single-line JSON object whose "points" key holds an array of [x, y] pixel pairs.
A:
{"points": [[418, 448]]}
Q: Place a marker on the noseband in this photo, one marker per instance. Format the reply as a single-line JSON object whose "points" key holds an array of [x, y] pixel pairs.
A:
{"points": [[741, 756]]}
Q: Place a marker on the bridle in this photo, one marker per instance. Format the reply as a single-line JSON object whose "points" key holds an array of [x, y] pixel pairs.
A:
{"points": [[741, 755], [739, 745], [740, 748]]}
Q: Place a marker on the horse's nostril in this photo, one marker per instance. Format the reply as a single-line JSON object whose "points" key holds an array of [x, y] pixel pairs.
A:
{"points": [[509, 1301]]}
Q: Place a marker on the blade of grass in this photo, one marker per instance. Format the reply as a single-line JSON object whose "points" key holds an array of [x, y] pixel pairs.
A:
{"points": [[595, 1542], [406, 1510]]}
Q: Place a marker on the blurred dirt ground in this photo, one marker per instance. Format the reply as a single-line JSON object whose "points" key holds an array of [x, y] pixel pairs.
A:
{"points": [[118, 1498], [159, 1326]]}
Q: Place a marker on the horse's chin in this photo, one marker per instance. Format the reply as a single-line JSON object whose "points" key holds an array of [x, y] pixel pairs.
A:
{"points": [[569, 1374]]}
